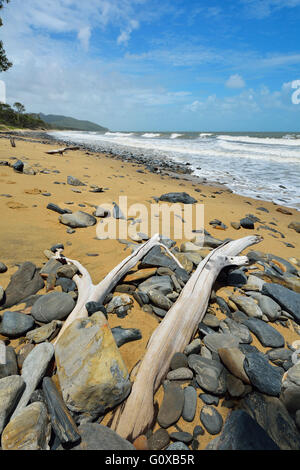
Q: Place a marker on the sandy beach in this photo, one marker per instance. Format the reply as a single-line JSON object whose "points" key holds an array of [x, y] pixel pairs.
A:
{"points": [[28, 227]]}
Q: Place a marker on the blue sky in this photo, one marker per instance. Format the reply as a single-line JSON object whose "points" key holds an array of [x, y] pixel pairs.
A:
{"points": [[157, 65]]}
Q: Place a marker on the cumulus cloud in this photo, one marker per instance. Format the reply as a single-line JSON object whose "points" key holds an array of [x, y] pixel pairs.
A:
{"points": [[235, 81]]}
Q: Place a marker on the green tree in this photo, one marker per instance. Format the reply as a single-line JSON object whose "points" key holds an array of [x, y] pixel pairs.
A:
{"points": [[5, 64], [20, 108]]}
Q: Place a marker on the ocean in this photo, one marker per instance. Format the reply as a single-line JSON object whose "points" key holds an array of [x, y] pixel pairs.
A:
{"points": [[263, 166]]}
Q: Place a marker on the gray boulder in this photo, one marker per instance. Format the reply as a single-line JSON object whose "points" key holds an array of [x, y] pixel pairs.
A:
{"points": [[53, 306], [25, 282], [78, 219]]}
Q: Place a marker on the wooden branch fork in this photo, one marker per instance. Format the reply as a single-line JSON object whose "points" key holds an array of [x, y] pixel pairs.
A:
{"points": [[172, 335], [62, 150]]}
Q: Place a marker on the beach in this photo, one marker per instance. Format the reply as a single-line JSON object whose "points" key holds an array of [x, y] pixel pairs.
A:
{"points": [[28, 228]]}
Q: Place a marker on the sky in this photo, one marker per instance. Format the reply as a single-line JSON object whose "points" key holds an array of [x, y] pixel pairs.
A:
{"points": [[148, 65]]}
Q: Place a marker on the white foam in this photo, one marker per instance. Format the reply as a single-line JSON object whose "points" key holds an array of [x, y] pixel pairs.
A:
{"points": [[149, 135], [175, 136]]}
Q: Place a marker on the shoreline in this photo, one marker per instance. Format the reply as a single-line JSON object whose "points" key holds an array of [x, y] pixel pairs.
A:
{"points": [[29, 228]]}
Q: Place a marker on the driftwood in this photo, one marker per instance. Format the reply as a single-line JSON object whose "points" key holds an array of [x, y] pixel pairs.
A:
{"points": [[88, 292], [12, 142], [62, 150], [136, 415]]}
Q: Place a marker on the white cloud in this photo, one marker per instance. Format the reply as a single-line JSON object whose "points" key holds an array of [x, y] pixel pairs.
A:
{"points": [[261, 9], [235, 81], [84, 36]]}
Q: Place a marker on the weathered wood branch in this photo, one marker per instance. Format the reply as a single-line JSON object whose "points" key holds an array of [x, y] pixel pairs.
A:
{"points": [[88, 292], [173, 334], [62, 150]]}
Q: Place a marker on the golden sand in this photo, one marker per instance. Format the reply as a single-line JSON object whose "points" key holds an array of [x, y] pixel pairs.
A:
{"points": [[28, 228]]}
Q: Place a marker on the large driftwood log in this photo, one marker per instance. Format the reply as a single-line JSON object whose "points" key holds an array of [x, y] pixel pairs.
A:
{"points": [[62, 150], [136, 415], [88, 292]]}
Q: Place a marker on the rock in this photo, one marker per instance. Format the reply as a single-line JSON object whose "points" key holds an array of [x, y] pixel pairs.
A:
{"points": [[3, 268], [189, 247], [205, 330], [123, 335], [263, 376], [61, 420], [18, 166], [286, 298], [216, 341], [101, 212], [236, 278], [238, 330], [254, 283], [272, 416], [140, 275], [172, 405], [87, 384], [25, 282], [211, 419], [122, 300], [241, 432], [247, 305], [193, 348], [190, 404], [159, 299], [279, 356], [233, 359], [67, 285], [30, 430], [247, 223], [211, 320], [33, 370], [67, 271], [78, 219], [158, 311], [53, 306], [55, 208], [23, 352], [209, 399], [39, 335], [211, 375], [51, 267], [295, 225], [235, 225], [10, 390], [15, 324], [155, 257], [2, 295], [117, 213], [181, 436], [141, 443], [74, 181], [183, 197], [267, 335], [185, 262], [94, 436], [195, 257], [235, 386], [178, 360], [159, 440], [177, 446], [182, 373], [290, 393], [198, 431], [161, 284], [10, 367], [269, 307]]}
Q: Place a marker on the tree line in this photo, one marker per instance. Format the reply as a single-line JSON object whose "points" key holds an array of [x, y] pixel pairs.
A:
{"points": [[15, 116]]}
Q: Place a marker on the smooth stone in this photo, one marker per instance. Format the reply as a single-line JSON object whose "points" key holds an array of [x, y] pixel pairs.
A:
{"points": [[190, 247], [23, 283], [210, 374], [51, 267], [177, 446], [2, 295], [156, 257], [182, 197], [140, 275], [279, 356], [61, 420], [78, 219], [190, 404], [159, 300], [235, 386], [247, 223], [172, 405], [87, 384], [117, 213], [286, 298], [263, 376], [247, 305], [241, 432], [10, 390], [181, 436], [178, 360], [122, 300], [123, 336], [209, 399], [216, 341], [15, 324], [67, 271], [39, 335], [30, 430], [290, 393], [198, 431], [182, 373], [10, 367], [271, 414], [33, 370], [233, 359], [18, 166], [3, 268], [53, 306], [159, 439], [269, 307], [193, 348], [101, 212], [161, 284], [295, 225], [74, 181], [94, 436], [236, 278], [211, 320], [238, 330], [160, 312], [253, 283], [55, 208], [267, 335], [205, 330], [67, 285], [211, 419]]}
